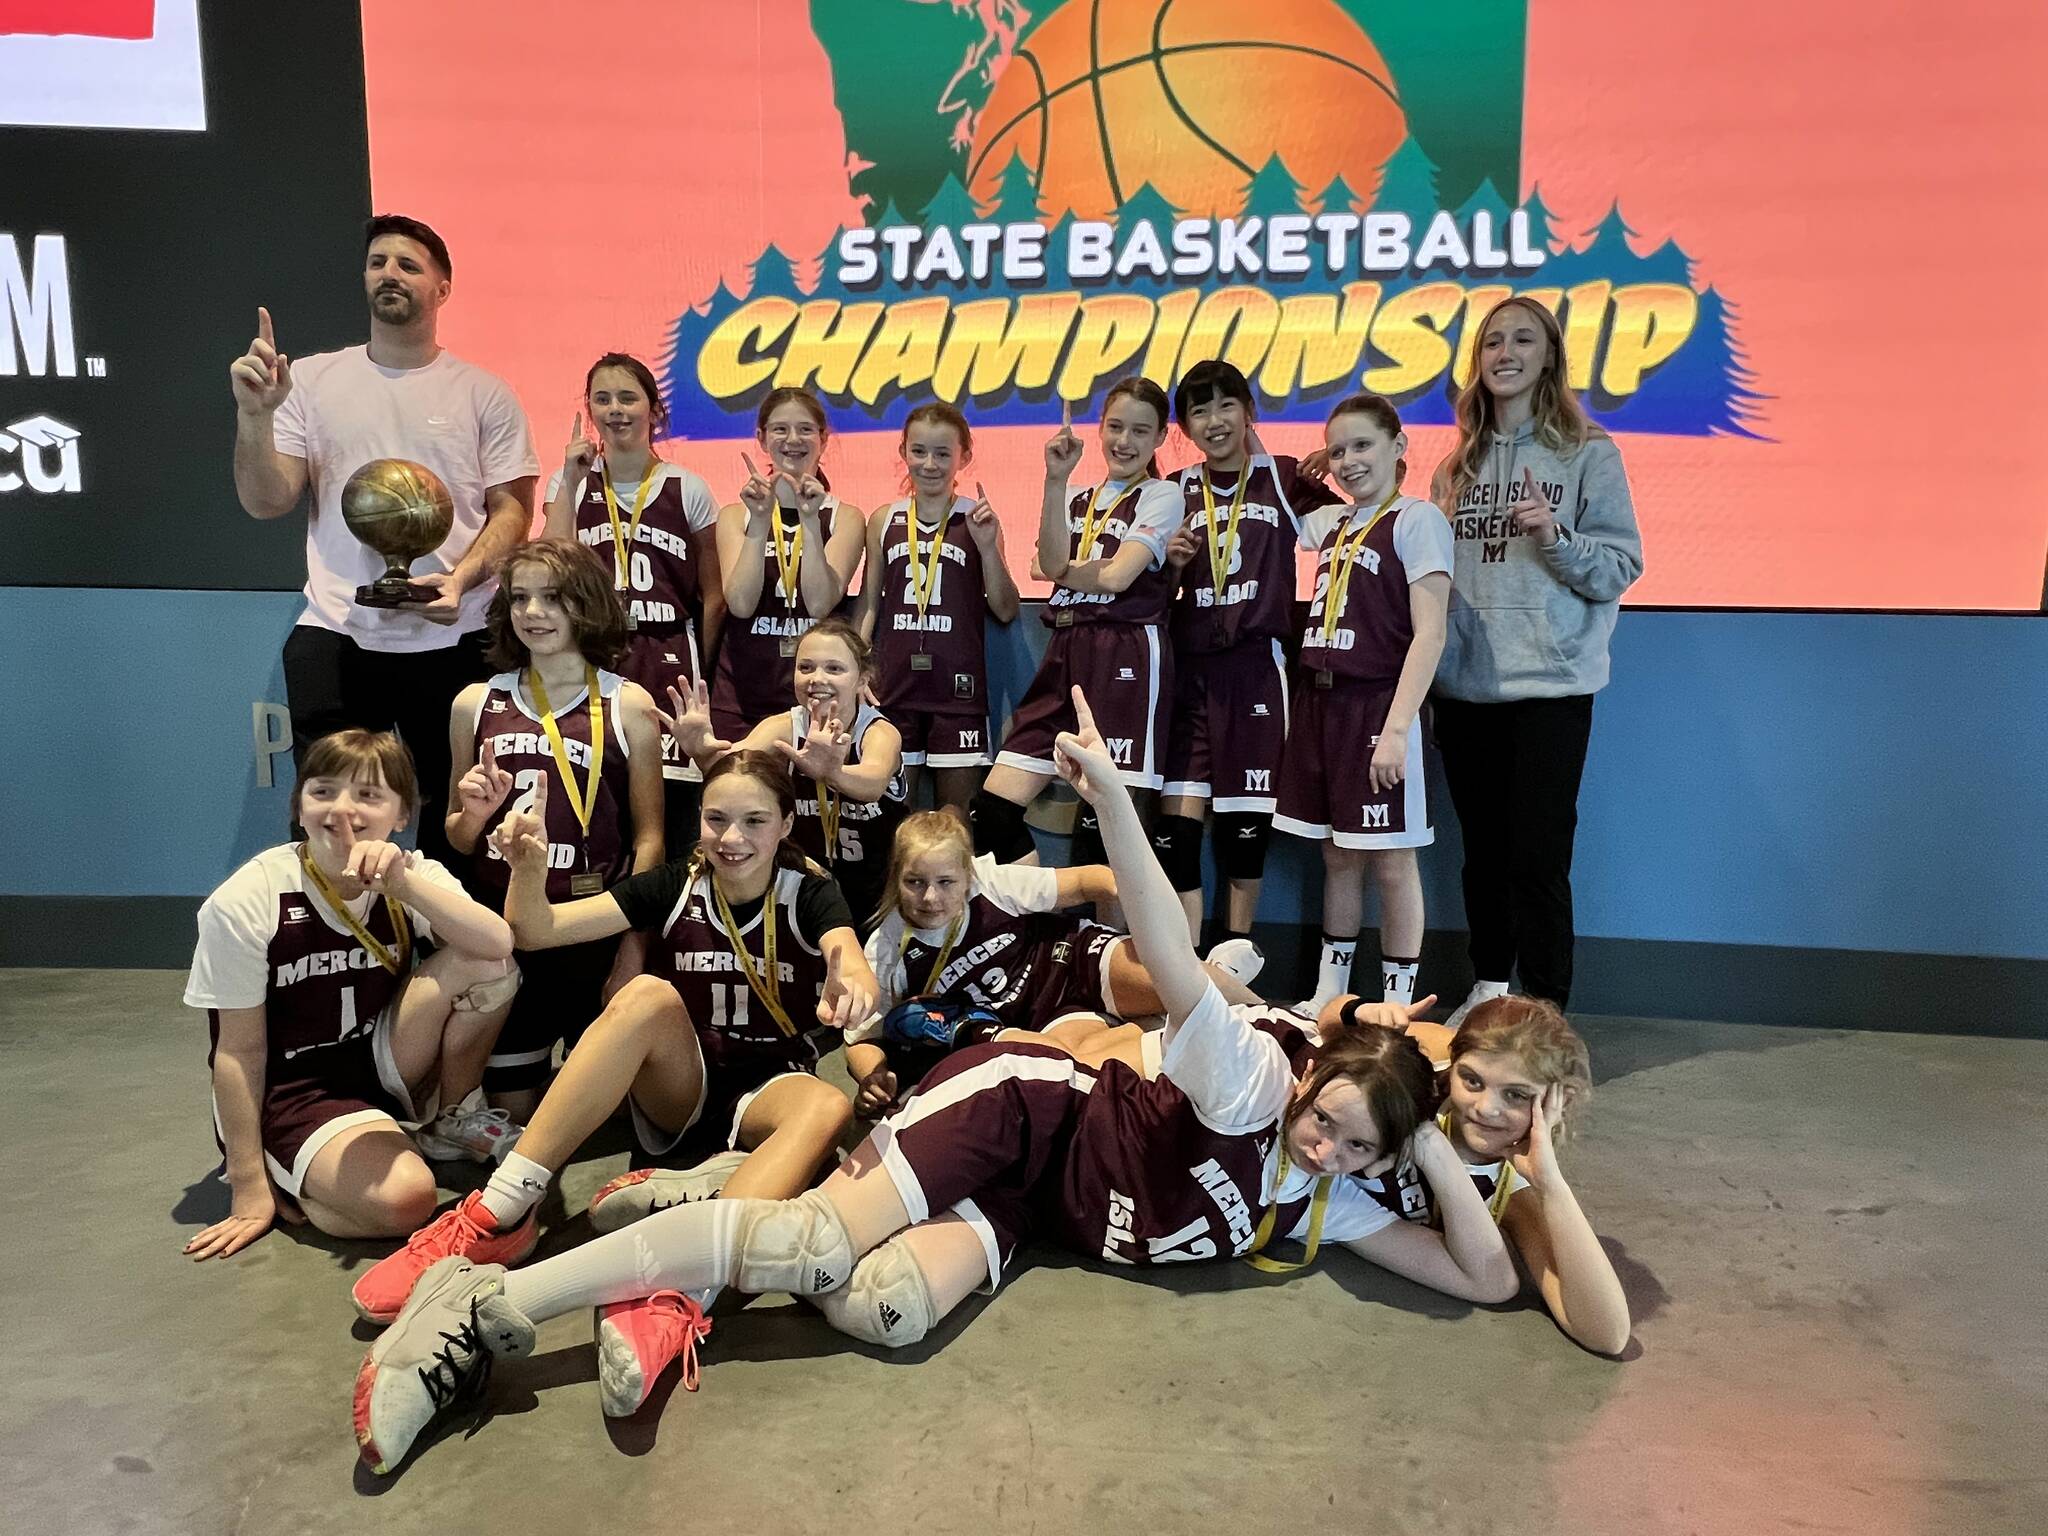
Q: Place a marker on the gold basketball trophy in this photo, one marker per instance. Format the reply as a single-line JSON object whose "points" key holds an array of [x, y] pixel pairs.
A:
{"points": [[402, 511]]}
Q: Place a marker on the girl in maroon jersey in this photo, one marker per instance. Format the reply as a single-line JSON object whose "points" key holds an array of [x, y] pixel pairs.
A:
{"points": [[1104, 550], [935, 576], [657, 525], [1225, 1150], [961, 930], [848, 759], [1235, 558], [787, 550], [711, 1051], [328, 1030], [1352, 775], [1517, 1078], [556, 712]]}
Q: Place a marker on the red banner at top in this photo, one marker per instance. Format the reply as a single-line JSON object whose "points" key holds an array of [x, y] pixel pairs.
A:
{"points": [[78, 18]]}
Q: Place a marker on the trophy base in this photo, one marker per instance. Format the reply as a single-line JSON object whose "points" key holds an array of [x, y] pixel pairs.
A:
{"points": [[394, 592]]}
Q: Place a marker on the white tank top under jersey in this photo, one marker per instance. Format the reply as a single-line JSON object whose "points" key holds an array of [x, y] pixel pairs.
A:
{"points": [[461, 422], [1238, 1078], [230, 967], [1016, 889]]}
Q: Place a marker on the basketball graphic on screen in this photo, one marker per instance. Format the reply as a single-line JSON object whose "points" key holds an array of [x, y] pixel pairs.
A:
{"points": [[1190, 96]]}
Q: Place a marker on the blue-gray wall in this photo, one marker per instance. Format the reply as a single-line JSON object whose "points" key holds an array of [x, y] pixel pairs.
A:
{"points": [[1807, 780]]}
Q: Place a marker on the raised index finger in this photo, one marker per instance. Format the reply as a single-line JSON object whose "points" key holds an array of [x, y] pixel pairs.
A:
{"points": [[752, 472], [1084, 717], [263, 328]]}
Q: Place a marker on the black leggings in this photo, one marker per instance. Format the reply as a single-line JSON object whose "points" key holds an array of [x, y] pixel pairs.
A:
{"points": [[332, 683], [1513, 771]]}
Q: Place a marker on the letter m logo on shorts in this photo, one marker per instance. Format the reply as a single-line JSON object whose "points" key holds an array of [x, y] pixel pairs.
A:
{"points": [[1376, 816], [1120, 748], [1260, 779]]}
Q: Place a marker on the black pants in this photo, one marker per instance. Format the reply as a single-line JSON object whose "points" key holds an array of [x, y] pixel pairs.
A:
{"points": [[332, 683], [1513, 771]]}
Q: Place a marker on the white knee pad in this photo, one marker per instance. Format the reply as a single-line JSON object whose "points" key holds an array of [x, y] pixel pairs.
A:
{"points": [[491, 995], [887, 1302], [800, 1246]]}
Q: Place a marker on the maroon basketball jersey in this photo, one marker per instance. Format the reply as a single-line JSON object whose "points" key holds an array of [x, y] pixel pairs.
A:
{"points": [[996, 962], [934, 664], [696, 956], [757, 656], [657, 576], [1146, 509], [1147, 1180], [1257, 601], [867, 829], [507, 719], [1374, 627]]}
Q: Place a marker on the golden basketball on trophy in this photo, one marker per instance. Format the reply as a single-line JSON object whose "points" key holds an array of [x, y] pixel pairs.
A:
{"points": [[402, 510]]}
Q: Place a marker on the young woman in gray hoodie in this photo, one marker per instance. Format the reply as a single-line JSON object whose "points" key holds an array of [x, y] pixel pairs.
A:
{"points": [[1546, 543]]}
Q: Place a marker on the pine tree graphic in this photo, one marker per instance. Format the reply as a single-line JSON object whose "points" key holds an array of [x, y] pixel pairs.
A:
{"points": [[1016, 194], [1272, 191]]}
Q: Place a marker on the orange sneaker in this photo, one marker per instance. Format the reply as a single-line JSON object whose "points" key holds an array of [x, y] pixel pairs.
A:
{"points": [[467, 1231], [636, 1340]]}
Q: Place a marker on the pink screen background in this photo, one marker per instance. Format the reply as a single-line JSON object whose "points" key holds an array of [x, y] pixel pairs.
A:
{"points": [[1855, 179]]}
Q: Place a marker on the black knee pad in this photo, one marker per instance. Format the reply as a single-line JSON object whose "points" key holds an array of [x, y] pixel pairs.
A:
{"points": [[1177, 843], [999, 828], [1241, 841], [1087, 846]]}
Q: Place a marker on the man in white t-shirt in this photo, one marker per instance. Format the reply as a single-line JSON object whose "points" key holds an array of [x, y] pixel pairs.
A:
{"points": [[398, 397]]}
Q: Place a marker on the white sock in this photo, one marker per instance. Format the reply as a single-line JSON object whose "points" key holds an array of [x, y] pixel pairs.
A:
{"points": [[515, 1189], [1333, 977], [1397, 979], [687, 1248]]}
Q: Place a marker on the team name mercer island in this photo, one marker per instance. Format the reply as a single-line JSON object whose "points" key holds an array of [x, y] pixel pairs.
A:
{"points": [[642, 610], [725, 962]]}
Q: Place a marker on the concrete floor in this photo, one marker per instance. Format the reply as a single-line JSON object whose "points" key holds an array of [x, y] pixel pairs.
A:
{"points": [[1832, 1242]]}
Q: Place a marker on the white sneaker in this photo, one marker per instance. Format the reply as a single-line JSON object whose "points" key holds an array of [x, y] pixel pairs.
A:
{"points": [[468, 1132], [436, 1356], [1482, 992], [644, 1191], [1241, 957]]}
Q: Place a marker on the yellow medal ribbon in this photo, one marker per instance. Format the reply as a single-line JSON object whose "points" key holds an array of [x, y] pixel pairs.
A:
{"points": [[921, 590], [788, 556], [764, 980], [903, 944], [583, 802], [1223, 546], [1342, 558], [1091, 528], [624, 537], [1318, 1207], [828, 813], [1503, 1177], [400, 928]]}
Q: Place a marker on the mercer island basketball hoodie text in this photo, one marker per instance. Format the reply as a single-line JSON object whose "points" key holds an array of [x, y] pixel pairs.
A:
{"points": [[1527, 622]]}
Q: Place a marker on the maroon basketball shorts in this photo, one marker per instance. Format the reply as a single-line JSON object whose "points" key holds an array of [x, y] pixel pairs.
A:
{"points": [[982, 1129], [560, 992], [1127, 675], [1325, 787], [659, 662], [735, 1072], [1069, 975], [942, 741], [1229, 726], [359, 1084]]}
